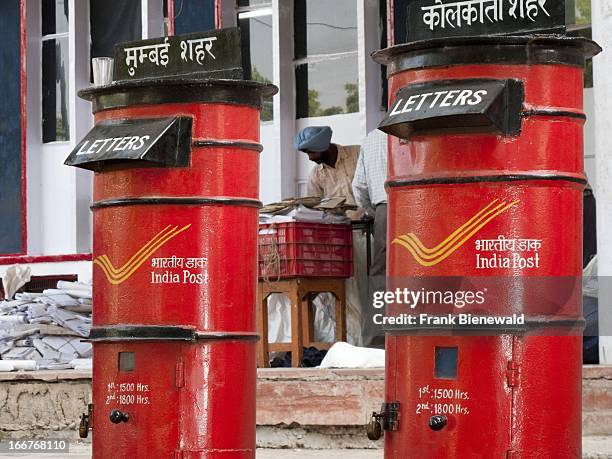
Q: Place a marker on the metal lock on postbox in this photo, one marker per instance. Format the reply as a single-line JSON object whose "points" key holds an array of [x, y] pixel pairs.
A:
{"points": [[386, 419]]}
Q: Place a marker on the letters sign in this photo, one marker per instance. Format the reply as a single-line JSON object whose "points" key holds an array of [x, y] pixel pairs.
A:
{"points": [[134, 142], [476, 104]]}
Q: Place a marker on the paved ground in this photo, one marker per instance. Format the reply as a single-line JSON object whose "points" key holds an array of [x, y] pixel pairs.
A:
{"points": [[84, 452], [319, 453], [594, 448], [597, 447]]}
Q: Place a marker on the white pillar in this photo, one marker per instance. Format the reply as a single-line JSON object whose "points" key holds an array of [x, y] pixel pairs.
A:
{"points": [[152, 18], [278, 161], [370, 85], [80, 126], [601, 19]]}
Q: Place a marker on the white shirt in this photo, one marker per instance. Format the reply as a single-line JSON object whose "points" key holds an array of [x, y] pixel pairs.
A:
{"points": [[371, 172]]}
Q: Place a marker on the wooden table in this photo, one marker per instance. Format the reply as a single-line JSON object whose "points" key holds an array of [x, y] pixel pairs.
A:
{"points": [[301, 291]]}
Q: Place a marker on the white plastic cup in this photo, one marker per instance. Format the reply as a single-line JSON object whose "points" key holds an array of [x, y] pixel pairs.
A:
{"points": [[102, 70]]}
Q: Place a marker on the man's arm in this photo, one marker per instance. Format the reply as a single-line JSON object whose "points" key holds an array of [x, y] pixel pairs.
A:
{"points": [[360, 186]]}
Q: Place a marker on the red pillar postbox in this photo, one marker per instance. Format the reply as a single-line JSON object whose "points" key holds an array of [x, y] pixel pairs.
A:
{"points": [[485, 191], [175, 266]]}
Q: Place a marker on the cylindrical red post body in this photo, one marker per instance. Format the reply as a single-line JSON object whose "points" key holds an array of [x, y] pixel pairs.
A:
{"points": [[175, 272], [513, 395]]}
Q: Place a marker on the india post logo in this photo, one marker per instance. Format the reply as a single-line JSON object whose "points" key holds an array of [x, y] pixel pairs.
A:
{"points": [[119, 275], [426, 256]]}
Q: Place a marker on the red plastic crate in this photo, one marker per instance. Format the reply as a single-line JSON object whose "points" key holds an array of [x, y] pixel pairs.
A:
{"points": [[298, 249]]}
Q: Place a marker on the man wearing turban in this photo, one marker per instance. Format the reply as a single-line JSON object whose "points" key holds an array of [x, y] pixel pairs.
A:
{"points": [[332, 177]]}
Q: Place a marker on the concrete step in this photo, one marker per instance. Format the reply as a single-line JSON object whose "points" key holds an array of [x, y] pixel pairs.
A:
{"points": [[596, 400], [597, 447], [597, 423], [296, 408], [596, 388]]}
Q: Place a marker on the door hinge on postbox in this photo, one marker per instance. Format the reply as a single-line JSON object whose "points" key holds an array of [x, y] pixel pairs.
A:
{"points": [[512, 454], [179, 374], [179, 453], [512, 374], [387, 419]]}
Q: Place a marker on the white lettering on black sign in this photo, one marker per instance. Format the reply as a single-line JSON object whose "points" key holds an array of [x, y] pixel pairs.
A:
{"points": [[93, 147], [458, 14], [156, 54], [157, 141], [431, 100], [429, 19], [189, 46], [215, 51]]}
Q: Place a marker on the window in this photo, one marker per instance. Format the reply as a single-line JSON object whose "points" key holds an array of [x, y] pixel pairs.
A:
{"points": [[255, 20], [55, 71], [400, 19], [11, 198], [193, 15], [326, 66]]}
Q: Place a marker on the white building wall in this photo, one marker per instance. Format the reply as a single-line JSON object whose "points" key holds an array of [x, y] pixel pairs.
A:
{"points": [[589, 138], [269, 165], [58, 196], [59, 219], [351, 128], [277, 162], [370, 91], [83, 269], [601, 18]]}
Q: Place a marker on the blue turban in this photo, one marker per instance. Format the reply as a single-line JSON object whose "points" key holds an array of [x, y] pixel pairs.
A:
{"points": [[313, 138]]}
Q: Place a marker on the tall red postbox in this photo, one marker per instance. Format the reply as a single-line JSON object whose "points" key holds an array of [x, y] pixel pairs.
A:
{"points": [[485, 181], [175, 258]]}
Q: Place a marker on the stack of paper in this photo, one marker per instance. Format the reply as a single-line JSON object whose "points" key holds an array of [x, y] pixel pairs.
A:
{"points": [[47, 328]]}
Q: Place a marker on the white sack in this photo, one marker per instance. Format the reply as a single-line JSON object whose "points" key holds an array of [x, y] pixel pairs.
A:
{"points": [[343, 355]]}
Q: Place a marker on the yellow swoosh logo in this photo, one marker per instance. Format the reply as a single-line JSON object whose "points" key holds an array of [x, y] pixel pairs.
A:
{"points": [[118, 275], [426, 256]]}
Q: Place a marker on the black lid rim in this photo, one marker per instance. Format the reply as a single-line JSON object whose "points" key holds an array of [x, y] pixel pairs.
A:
{"points": [[90, 93], [562, 49], [181, 89]]}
